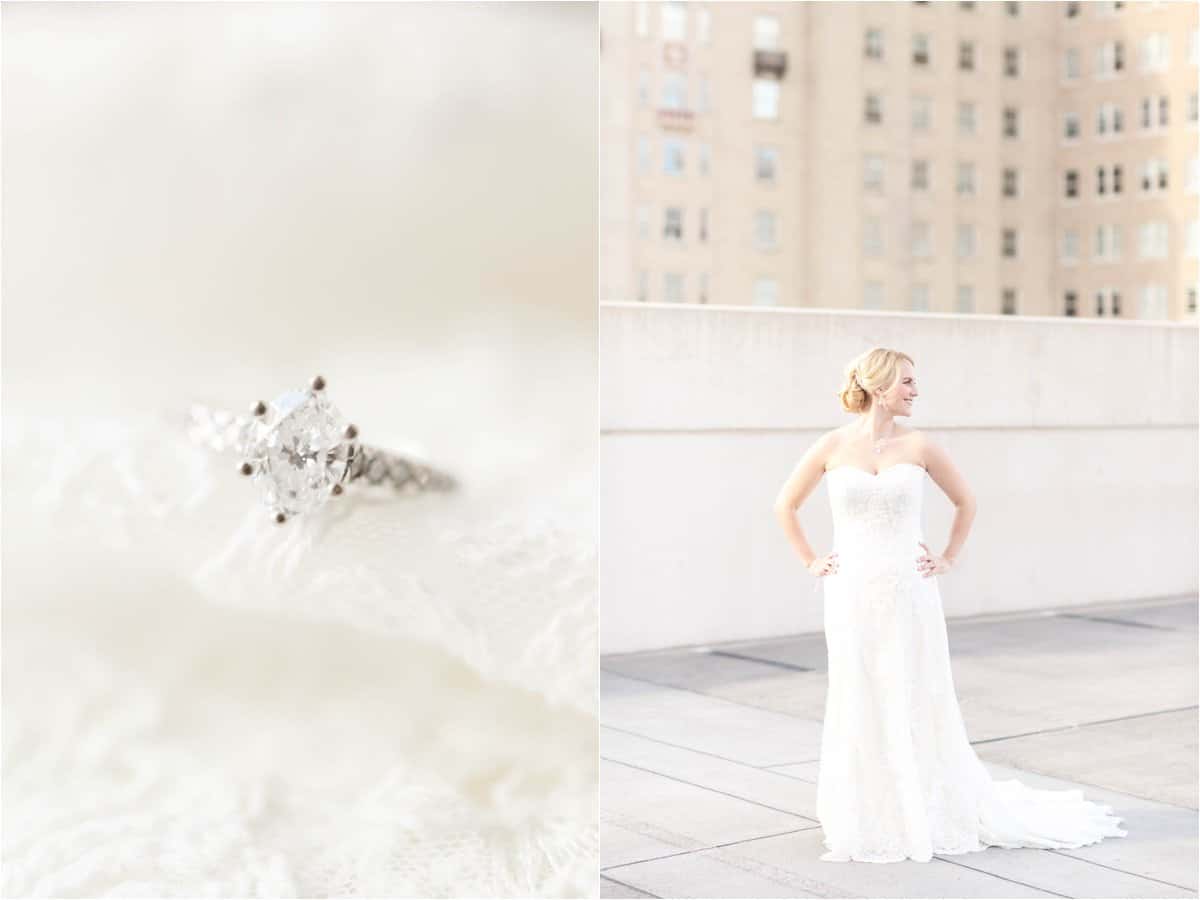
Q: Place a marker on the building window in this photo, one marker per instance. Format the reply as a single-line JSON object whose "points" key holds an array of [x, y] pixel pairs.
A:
{"points": [[873, 43], [766, 33], [1155, 52], [1108, 243], [643, 283], [1193, 110], [703, 158], [1013, 8], [764, 230], [1072, 183], [873, 295], [1110, 59], [674, 91], [920, 240], [1072, 10], [702, 288], [1191, 300], [1069, 303], [672, 156], [872, 237], [672, 287], [873, 167], [920, 50], [873, 109], [643, 154], [966, 56], [1012, 62], [1009, 182], [641, 19], [1116, 179], [1153, 240], [766, 292], [1109, 119], [1071, 64], [1100, 303], [1153, 302], [920, 174], [966, 117], [1114, 298], [702, 225], [1071, 126], [966, 299], [1010, 122], [1070, 246], [1008, 243], [766, 98], [673, 21], [1008, 302], [965, 244], [1154, 176], [922, 113], [1147, 107], [1101, 180], [1162, 111], [672, 224], [964, 182], [766, 164], [919, 298]]}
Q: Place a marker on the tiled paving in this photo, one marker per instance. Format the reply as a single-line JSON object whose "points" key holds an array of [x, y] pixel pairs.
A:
{"points": [[709, 760]]}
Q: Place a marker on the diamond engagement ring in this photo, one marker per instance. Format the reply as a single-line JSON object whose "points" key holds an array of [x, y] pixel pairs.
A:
{"points": [[300, 451]]}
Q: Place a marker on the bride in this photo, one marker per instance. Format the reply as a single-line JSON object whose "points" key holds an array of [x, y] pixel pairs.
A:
{"points": [[898, 777]]}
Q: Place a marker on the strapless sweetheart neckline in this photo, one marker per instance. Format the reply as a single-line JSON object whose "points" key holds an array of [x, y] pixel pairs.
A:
{"points": [[876, 474]]}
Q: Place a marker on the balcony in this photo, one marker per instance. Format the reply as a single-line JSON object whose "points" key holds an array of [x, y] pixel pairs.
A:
{"points": [[683, 120], [771, 63]]}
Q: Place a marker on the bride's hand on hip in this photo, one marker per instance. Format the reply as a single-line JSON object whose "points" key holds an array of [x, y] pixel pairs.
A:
{"points": [[824, 565], [931, 564]]}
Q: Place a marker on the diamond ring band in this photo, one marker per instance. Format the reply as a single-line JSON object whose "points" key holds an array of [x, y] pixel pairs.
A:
{"points": [[301, 452]]}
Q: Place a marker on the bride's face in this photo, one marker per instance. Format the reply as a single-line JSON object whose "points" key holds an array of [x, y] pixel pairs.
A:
{"points": [[900, 398]]}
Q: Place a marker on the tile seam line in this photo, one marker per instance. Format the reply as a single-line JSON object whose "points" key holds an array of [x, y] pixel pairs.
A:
{"points": [[638, 862], [632, 887], [1063, 852], [736, 762], [707, 696], [1007, 737], [709, 789], [1001, 877]]}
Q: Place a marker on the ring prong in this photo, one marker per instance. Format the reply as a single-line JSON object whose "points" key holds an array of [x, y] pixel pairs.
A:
{"points": [[260, 409], [246, 469], [280, 518], [318, 383], [351, 432], [337, 490]]}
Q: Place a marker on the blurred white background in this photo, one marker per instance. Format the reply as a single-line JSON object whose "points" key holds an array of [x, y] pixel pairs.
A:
{"points": [[214, 202]]}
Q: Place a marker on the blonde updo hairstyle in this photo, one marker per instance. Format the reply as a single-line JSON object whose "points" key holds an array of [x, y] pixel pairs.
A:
{"points": [[877, 368]]}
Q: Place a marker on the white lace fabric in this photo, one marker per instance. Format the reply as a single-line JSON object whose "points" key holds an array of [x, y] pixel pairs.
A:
{"points": [[898, 778], [396, 698]]}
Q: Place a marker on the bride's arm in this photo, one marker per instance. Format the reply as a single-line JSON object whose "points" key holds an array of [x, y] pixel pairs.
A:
{"points": [[946, 475], [795, 491]]}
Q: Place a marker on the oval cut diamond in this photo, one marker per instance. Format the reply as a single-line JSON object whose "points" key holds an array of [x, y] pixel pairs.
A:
{"points": [[299, 451]]}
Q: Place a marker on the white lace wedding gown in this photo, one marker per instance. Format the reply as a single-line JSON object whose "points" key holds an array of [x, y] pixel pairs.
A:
{"points": [[898, 778]]}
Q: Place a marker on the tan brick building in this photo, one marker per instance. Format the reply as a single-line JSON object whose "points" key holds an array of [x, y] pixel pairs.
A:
{"points": [[1031, 158]]}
